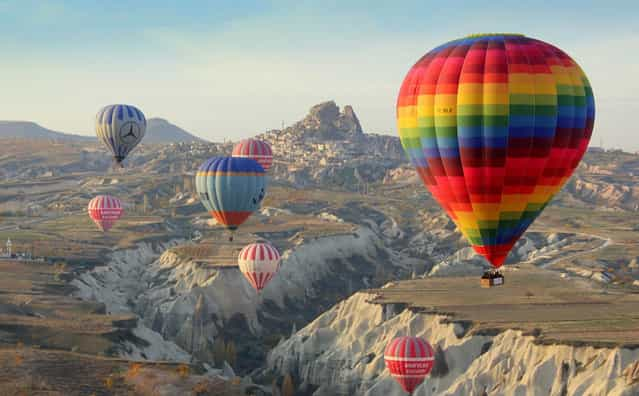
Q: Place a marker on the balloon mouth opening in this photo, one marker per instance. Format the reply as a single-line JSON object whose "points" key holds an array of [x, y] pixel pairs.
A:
{"points": [[477, 35]]}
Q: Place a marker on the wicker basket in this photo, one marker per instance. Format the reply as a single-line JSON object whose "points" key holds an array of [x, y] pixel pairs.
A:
{"points": [[491, 282]]}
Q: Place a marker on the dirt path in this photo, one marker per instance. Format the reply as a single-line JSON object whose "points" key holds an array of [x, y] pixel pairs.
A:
{"points": [[606, 242]]}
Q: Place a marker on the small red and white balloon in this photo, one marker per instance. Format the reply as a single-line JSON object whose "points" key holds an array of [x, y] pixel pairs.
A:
{"points": [[257, 150], [409, 360], [259, 262], [105, 210]]}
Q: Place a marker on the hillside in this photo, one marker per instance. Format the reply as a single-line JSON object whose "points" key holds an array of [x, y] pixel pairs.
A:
{"points": [[159, 131], [341, 353], [348, 214], [31, 130]]}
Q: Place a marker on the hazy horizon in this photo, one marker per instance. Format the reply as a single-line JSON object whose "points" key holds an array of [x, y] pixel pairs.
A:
{"points": [[222, 71]]}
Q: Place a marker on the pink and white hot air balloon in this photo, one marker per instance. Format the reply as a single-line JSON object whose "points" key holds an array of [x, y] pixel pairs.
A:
{"points": [[258, 150], [409, 360], [105, 210], [259, 262]]}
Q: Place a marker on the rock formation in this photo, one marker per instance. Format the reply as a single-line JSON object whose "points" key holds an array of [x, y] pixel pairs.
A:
{"points": [[341, 352], [194, 305], [325, 122]]}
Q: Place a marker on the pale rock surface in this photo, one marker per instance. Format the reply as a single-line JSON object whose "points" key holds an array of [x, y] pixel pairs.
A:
{"points": [[204, 222], [191, 303], [604, 193], [269, 211], [602, 277], [341, 352], [533, 247], [464, 262], [402, 175], [330, 217], [116, 285]]}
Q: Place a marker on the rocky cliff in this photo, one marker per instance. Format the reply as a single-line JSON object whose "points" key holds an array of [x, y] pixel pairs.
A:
{"points": [[186, 306], [193, 304], [329, 147], [341, 353], [117, 285], [606, 191], [325, 122]]}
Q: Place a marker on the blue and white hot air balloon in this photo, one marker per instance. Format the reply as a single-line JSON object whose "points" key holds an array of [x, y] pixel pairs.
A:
{"points": [[231, 189], [120, 127]]}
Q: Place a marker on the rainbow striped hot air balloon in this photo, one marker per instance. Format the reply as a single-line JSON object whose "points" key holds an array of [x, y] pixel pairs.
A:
{"points": [[231, 189], [495, 125]]}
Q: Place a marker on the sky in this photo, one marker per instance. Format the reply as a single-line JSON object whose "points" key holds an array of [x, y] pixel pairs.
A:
{"points": [[231, 69]]}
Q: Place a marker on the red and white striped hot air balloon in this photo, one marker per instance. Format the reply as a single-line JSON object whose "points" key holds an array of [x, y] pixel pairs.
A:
{"points": [[105, 210], [257, 150], [259, 262], [409, 360]]}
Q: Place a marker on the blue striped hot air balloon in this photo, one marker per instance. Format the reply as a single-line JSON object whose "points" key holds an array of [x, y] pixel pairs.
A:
{"points": [[120, 127], [231, 188]]}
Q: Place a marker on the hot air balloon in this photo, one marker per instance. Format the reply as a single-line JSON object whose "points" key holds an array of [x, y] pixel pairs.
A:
{"points": [[409, 360], [495, 125], [259, 262], [231, 189], [120, 127], [105, 210], [255, 149]]}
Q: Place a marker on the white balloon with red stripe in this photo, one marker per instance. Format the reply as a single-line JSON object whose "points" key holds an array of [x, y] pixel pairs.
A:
{"points": [[258, 150], [259, 262], [409, 360], [105, 210]]}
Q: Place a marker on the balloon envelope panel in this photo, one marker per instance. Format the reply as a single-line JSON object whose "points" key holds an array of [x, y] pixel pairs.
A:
{"points": [[495, 125]]}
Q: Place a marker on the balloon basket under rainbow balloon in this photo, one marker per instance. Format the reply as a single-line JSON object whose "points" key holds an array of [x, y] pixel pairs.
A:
{"points": [[491, 279]]}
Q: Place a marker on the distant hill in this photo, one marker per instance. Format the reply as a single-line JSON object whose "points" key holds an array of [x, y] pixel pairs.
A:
{"points": [[31, 130], [159, 130]]}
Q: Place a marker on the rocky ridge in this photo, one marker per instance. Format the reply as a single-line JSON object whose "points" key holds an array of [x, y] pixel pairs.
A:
{"points": [[341, 353], [192, 304]]}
